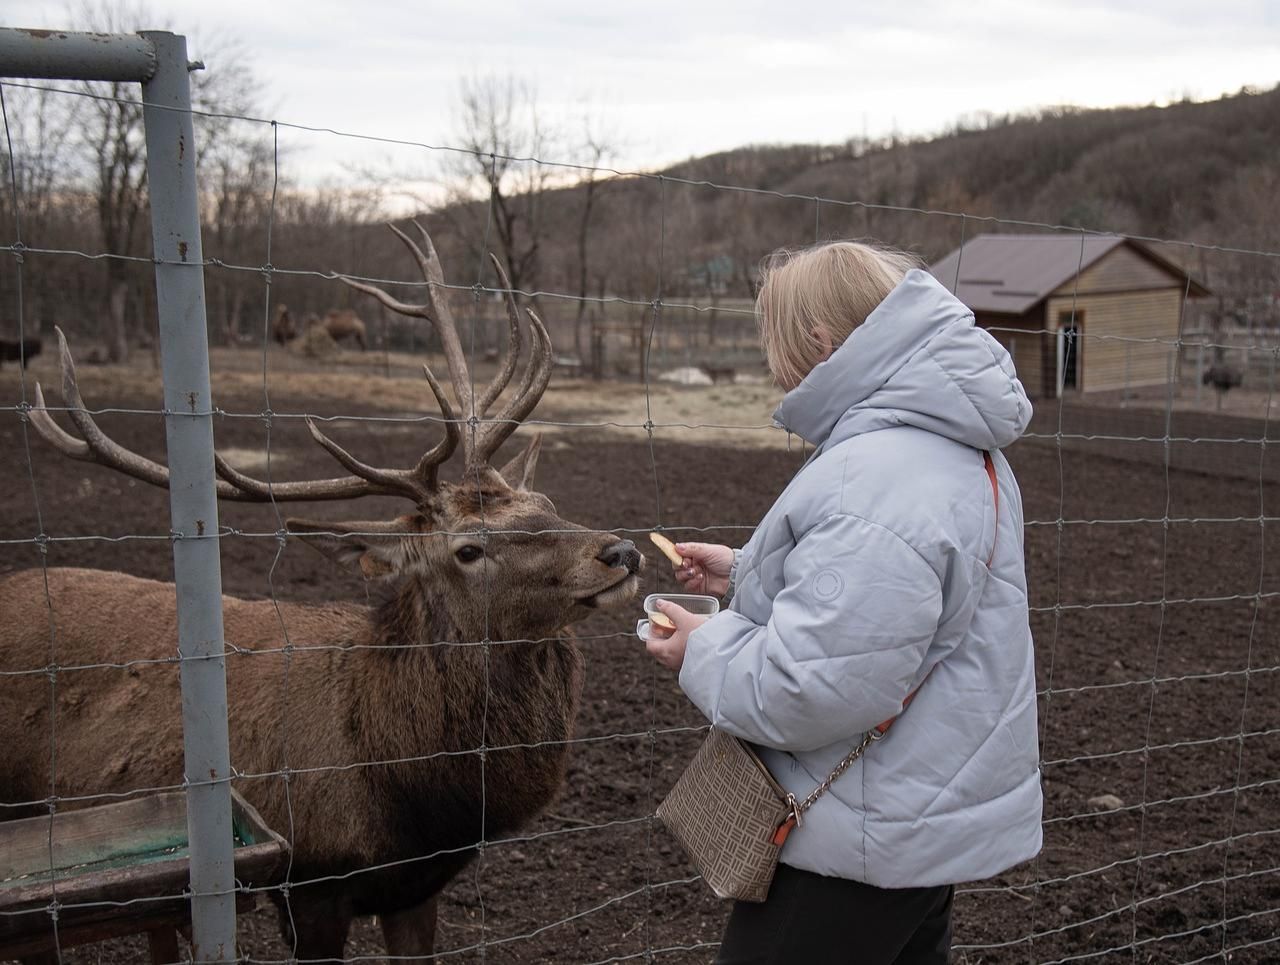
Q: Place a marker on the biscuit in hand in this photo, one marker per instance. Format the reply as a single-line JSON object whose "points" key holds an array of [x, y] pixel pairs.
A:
{"points": [[668, 548]]}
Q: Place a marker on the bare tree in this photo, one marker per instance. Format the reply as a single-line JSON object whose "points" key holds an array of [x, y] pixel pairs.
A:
{"points": [[112, 133], [596, 147], [505, 138], [33, 196], [113, 142], [237, 180]]}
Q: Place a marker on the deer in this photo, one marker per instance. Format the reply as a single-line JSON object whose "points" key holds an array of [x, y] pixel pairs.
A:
{"points": [[361, 745], [338, 323], [21, 350], [283, 328], [343, 323]]}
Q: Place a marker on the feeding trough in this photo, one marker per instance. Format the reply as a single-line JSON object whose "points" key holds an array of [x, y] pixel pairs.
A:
{"points": [[116, 869]]}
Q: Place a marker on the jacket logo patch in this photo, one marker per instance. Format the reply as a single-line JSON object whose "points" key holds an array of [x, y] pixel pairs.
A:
{"points": [[827, 585]]}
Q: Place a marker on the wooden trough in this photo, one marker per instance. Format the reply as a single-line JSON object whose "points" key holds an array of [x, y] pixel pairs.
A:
{"points": [[100, 861]]}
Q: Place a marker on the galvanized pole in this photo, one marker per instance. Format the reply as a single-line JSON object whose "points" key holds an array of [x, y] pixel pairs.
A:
{"points": [[71, 55], [193, 504], [158, 61]]}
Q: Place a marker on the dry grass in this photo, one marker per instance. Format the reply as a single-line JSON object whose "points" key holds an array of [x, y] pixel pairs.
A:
{"points": [[357, 382]]}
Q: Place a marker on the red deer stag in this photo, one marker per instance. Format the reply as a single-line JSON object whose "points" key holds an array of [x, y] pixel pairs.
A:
{"points": [[385, 798]]}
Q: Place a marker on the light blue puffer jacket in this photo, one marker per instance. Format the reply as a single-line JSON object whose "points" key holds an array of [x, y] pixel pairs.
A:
{"points": [[867, 576]]}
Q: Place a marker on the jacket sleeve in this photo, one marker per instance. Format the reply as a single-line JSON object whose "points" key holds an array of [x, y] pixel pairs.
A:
{"points": [[845, 638]]}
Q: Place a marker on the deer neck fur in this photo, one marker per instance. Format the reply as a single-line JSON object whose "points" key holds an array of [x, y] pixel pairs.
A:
{"points": [[444, 694]]}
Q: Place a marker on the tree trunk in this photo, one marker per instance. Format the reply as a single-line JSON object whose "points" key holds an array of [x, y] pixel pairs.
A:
{"points": [[117, 332], [235, 315]]}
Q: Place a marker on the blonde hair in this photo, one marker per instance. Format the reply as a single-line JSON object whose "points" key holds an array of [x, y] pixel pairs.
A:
{"points": [[828, 288]]}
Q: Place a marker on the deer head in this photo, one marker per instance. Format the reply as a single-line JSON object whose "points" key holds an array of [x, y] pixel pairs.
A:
{"points": [[487, 553]]}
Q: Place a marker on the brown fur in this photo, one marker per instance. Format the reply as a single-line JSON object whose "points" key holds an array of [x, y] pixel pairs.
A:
{"points": [[338, 323], [376, 686], [283, 328], [342, 323]]}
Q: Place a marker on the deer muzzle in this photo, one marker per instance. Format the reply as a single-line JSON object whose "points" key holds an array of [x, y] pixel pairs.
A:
{"points": [[622, 554]]}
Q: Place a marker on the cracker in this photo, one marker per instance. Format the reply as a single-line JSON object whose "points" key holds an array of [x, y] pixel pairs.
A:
{"points": [[668, 548], [661, 620]]}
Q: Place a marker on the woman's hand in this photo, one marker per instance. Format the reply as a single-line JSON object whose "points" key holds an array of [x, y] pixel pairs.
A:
{"points": [[705, 567], [667, 646]]}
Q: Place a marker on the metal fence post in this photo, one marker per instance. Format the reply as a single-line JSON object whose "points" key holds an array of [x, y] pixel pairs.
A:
{"points": [[158, 61], [193, 504]]}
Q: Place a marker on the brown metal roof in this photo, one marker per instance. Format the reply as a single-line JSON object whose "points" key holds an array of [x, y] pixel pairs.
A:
{"points": [[1011, 273]]}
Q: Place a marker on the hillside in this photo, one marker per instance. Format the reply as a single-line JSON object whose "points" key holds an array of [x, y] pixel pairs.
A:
{"points": [[697, 231], [1179, 171], [1201, 172]]}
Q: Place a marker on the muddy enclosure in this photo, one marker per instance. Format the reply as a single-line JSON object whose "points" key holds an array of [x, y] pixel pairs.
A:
{"points": [[1156, 617]]}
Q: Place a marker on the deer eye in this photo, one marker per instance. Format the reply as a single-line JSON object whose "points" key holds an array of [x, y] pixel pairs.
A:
{"points": [[469, 553]]}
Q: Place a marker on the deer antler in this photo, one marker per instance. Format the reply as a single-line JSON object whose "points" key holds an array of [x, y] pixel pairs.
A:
{"points": [[487, 433], [417, 484]]}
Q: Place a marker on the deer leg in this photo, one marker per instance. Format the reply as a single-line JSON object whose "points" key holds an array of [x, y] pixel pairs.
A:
{"points": [[316, 927], [163, 944], [411, 932]]}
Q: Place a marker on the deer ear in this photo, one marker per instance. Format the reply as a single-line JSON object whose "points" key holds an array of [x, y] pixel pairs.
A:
{"points": [[377, 547], [518, 473]]}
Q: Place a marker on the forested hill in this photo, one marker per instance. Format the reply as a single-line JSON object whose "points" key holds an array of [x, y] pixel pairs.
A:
{"points": [[1205, 171], [605, 246]]}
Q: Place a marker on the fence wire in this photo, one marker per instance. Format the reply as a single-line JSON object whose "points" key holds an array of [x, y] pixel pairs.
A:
{"points": [[1052, 910]]}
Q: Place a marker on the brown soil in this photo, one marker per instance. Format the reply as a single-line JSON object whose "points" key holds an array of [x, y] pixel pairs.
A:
{"points": [[1119, 598]]}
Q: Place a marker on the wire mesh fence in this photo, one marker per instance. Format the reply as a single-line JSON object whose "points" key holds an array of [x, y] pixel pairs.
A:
{"points": [[435, 751]]}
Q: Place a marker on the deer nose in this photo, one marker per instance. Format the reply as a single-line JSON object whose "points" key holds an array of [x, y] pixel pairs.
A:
{"points": [[622, 553]]}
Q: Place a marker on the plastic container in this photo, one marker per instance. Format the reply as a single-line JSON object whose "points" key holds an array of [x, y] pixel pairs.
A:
{"points": [[693, 602]]}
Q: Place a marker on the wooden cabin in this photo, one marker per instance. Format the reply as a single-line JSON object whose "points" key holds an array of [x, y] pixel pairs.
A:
{"points": [[1077, 314]]}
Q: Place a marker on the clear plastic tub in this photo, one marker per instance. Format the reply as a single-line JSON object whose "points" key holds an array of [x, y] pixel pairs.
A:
{"points": [[693, 602]]}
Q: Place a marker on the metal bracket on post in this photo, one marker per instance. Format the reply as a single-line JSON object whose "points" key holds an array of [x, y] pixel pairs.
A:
{"points": [[158, 61]]}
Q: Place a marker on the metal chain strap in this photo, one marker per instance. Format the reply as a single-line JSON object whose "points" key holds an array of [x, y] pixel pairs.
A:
{"points": [[871, 737]]}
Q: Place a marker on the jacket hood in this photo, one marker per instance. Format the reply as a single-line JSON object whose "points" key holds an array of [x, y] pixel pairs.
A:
{"points": [[917, 360]]}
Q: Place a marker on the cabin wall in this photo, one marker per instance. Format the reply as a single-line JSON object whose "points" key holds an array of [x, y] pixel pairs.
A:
{"points": [[1125, 338]]}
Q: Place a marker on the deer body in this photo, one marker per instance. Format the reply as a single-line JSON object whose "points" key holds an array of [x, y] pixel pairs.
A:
{"points": [[357, 731], [338, 323], [342, 323], [380, 694]]}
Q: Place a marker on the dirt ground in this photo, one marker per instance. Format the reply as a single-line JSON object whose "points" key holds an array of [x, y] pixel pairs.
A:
{"points": [[1156, 613]]}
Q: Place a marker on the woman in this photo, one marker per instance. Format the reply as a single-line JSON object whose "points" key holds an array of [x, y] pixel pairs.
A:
{"points": [[889, 571]]}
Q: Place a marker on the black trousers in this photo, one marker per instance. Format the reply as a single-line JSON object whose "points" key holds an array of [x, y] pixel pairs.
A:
{"points": [[817, 920]]}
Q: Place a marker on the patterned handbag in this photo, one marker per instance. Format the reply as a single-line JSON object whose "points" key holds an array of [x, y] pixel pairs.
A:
{"points": [[732, 818]]}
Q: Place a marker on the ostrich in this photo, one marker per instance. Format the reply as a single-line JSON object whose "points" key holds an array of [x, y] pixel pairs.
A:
{"points": [[1221, 376]]}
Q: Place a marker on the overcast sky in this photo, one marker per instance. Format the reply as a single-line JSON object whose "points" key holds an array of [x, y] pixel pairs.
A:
{"points": [[675, 79]]}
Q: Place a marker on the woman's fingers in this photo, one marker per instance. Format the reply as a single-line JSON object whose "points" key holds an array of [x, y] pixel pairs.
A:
{"points": [[673, 611], [691, 576], [696, 552]]}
